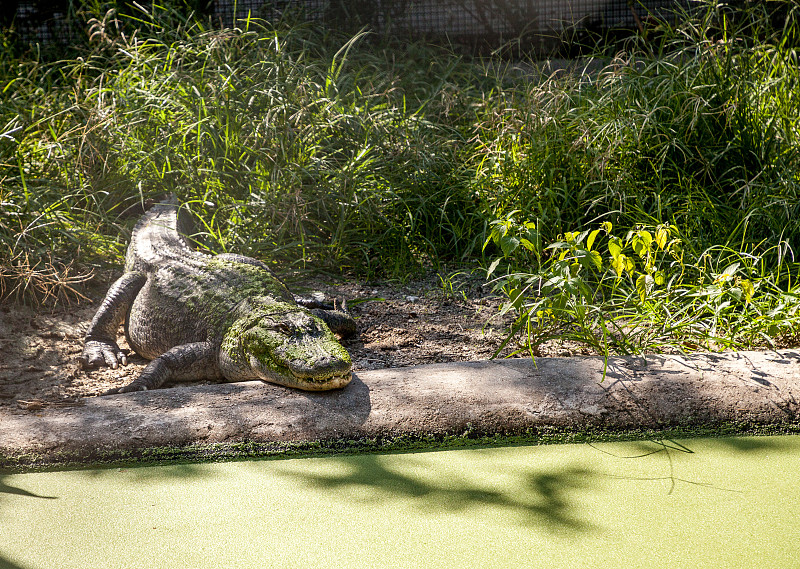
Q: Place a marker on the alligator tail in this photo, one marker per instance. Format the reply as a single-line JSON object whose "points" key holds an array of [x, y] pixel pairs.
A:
{"points": [[160, 235]]}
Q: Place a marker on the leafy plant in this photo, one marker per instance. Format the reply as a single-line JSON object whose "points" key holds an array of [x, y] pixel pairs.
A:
{"points": [[644, 292]]}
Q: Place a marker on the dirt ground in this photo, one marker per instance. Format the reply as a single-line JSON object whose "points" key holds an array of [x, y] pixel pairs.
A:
{"points": [[429, 320]]}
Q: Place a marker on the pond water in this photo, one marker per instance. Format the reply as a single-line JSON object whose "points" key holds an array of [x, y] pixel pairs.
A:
{"points": [[728, 502]]}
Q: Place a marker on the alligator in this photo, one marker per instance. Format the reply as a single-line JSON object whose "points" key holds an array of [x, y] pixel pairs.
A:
{"points": [[223, 317]]}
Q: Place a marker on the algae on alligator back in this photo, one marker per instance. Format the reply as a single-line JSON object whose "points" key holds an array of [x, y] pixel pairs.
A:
{"points": [[198, 317]]}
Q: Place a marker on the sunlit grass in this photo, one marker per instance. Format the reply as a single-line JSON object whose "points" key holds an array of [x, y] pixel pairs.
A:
{"points": [[360, 155]]}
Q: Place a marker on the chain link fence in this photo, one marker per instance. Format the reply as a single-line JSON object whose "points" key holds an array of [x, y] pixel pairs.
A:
{"points": [[541, 25]]}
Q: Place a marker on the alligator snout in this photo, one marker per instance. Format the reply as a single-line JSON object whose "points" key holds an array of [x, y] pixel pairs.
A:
{"points": [[324, 365]]}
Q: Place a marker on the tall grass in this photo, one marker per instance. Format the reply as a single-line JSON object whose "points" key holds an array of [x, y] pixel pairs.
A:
{"points": [[291, 144], [310, 149], [701, 135]]}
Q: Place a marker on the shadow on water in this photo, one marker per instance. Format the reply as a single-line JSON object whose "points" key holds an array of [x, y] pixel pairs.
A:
{"points": [[546, 498], [670, 449], [6, 564], [6, 489], [142, 474]]}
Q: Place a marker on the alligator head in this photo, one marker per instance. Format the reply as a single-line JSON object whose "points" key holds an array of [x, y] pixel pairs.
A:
{"points": [[285, 344]]}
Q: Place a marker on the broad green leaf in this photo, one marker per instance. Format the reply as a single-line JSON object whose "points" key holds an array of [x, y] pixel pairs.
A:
{"points": [[710, 291], [492, 267], [662, 235], [658, 278], [509, 245], [639, 246], [607, 226], [641, 242], [727, 273], [618, 264], [596, 259], [553, 282], [516, 298], [629, 266], [592, 237], [644, 285], [589, 259], [615, 247], [527, 244]]}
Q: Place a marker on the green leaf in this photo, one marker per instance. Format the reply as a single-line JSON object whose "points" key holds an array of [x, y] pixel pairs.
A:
{"points": [[629, 266], [508, 245], [748, 289], [585, 259], [597, 260], [606, 225], [659, 278], [727, 273], [620, 264], [662, 235], [592, 237], [615, 247], [516, 298], [641, 242], [644, 285], [492, 267]]}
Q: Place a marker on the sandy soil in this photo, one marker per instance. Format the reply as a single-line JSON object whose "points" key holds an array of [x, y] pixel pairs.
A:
{"points": [[398, 325]]}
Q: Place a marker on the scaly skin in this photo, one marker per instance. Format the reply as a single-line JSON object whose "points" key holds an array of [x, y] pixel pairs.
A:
{"points": [[201, 317]]}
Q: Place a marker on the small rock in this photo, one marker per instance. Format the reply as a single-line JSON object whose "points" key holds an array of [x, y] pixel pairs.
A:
{"points": [[411, 298]]}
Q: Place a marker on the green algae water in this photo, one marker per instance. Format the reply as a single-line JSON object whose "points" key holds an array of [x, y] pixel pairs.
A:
{"points": [[728, 502]]}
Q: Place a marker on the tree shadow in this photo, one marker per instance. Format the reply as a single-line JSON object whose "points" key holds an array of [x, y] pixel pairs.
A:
{"points": [[8, 564], [670, 449], [8, 489], [547, 498], [14, 490]]}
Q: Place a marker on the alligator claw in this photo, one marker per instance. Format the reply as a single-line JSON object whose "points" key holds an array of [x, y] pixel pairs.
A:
{"points": [[97, 353]]}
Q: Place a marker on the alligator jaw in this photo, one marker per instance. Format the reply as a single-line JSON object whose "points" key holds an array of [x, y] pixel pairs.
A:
{"points": [[336, 381], [288, 378]]}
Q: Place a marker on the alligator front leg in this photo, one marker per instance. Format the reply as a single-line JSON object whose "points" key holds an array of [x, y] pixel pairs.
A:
{"points": [[101, 339], [195, 361]]}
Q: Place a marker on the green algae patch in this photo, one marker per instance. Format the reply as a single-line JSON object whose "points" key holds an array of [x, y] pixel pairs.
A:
{"points": [[678, 503]]}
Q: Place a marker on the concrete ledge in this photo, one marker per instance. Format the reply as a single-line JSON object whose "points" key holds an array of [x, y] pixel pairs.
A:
{"points": [[508, 397]]}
